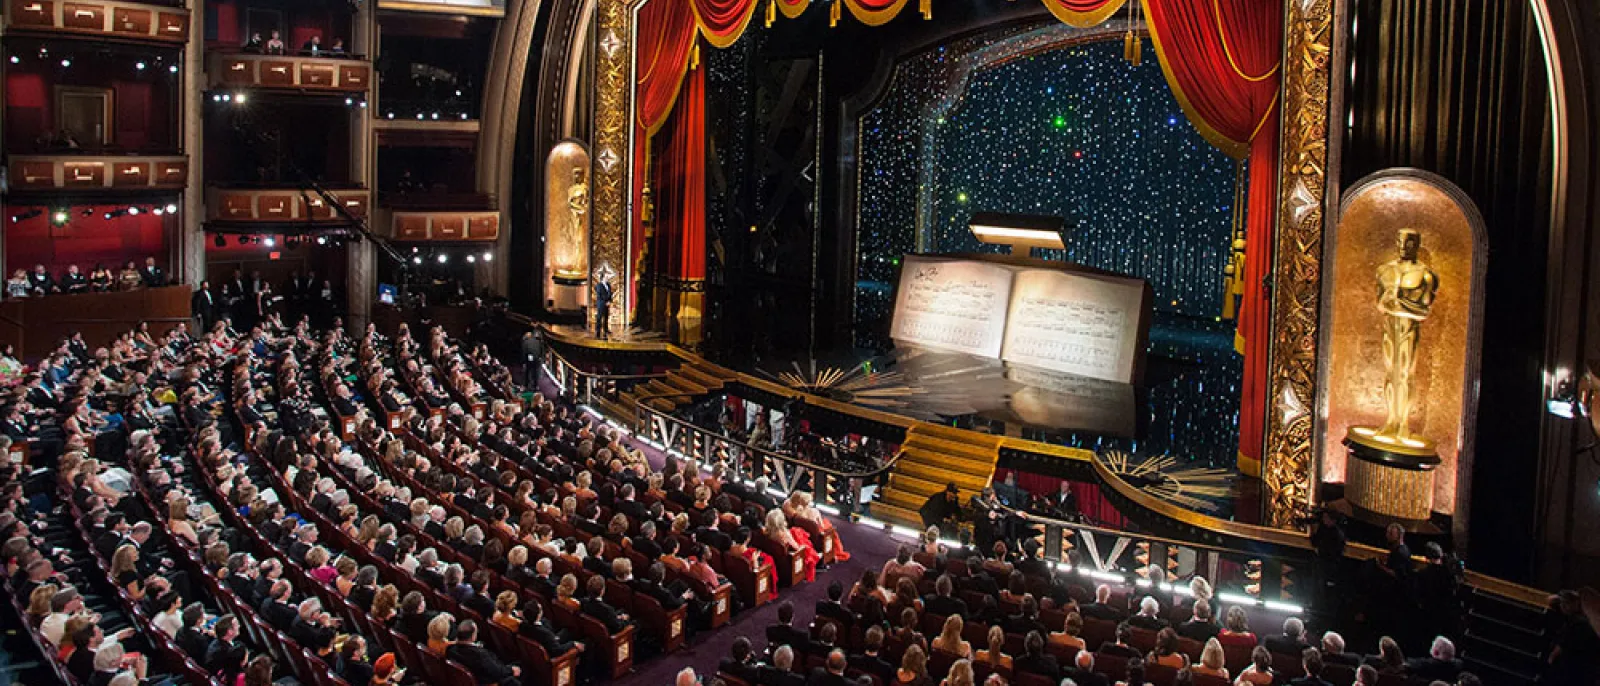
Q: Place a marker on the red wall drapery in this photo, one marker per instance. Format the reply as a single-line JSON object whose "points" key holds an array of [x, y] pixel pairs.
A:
{"points": [[1091, 501], [681, 176], [1222, 58], [723, 21]]}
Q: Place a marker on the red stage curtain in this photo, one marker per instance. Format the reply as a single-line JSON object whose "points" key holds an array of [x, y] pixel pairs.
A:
{"points": [[1091, 501], [666, 30], [723, 21], [1222, 58], [681, 175], [1084, 13]]}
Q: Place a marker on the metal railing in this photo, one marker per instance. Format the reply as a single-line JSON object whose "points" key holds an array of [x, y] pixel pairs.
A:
{"points": [[838, 488], [585, 387]]}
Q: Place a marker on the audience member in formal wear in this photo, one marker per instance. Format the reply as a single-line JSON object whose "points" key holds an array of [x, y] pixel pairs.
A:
{"points": [[1333, 651], [870, 659], [949, 638], [1034, 660], [1102, 607], [1440, 664], [1259, 673], [485, 666], [994, 655], [913, 669], [1071, 634], [1149, 615], [1311, 664], [1236, 629], [1291, 641], [780, 672], [1166, 651], [1082, 671], [832, 671], [784, 633], [1212, 660], [943, 602], [1200, 625]]}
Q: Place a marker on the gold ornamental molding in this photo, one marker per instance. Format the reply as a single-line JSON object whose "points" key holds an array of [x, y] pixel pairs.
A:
{"points": [[611, 155], [1297, 263]]}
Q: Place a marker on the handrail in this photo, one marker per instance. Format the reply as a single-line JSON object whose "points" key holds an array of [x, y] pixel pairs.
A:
{"points": [[790, 459], [603, 377]]}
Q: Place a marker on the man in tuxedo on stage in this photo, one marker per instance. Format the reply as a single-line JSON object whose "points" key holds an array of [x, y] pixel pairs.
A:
{"points": [[602, 303]]}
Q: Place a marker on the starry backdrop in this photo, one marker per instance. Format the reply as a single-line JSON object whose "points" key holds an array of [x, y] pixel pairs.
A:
{"points": [[1022, 121]]}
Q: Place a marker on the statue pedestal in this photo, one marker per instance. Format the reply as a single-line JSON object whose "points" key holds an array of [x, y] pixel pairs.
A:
{"points": [[568, 293], [1386, 479]]}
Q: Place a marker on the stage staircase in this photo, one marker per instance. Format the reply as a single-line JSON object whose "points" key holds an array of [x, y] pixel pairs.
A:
{"points": [[690, 380], [935, 456]]}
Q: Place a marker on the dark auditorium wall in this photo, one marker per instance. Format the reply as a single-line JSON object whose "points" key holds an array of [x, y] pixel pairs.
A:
{"points": [[1459, 88], [143, 106], [86, 241]]}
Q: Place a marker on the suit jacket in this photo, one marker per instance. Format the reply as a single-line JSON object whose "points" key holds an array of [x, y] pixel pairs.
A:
{"points": [[822, 677], [772, 676], [1283, 645], [646, 547], [1020, 624], [282, 615], [1197, 630], [552, 641], [1431, 669], [1099, 611], [312, 636], [669, 601], [787, 635], [1309, 680], [485, 666], [1042, 664], [607, 615], [1144, 622], [749, 670], [874, 665], [193, 643], [1351, 660], [944, 606], [833, 610], [225, 656], [1084, 678]]}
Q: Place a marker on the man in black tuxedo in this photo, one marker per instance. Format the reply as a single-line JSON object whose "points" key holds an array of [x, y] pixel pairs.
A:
{"points": [[1311, 660], [204, 306], [115, 535], [832, 673], [1065, 503], [595, 606], [73, 281], [344, 404], [152, 275], [784, 632], [1440, 664], [276, 608], [1291, 641], [1082, 673], [833, 607], [1333, 651], [1120, 647], [1034, 660], [779, 672], [226, 654], [1200, 626], [741, 662], [1102, 608], [626, 504], [1149, 617], [414, 617], [40, 281], [870, 660], [535, 627], [943, 601], [1027, 620], [645, 543], [484, 665], [708, 533]]}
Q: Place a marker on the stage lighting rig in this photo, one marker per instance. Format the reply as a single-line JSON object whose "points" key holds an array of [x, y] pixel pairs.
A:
{"points": [[26, 215]]}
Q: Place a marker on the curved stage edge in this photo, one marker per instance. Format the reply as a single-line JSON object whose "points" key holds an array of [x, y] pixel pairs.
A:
{"points": [[1155, 516]]}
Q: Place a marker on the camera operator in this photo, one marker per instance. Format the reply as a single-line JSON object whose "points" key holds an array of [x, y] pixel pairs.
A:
{"points": [[1327, 536]]}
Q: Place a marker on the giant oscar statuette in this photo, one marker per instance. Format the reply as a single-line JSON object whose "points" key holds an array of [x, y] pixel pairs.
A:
{"points": [[1390, 471]]}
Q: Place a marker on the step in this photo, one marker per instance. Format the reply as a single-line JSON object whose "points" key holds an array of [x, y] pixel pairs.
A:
{"points": [[923, 487], [931, 472], [1490, 650], [1530, 638], [1510, 612], [1492, 673], [956, 436], [683, 383], [973, 451], [959, 464], [894, 514], [701, 376], [905, 499]]}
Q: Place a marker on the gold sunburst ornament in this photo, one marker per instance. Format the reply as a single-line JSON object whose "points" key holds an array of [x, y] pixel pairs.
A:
{"points": [[857, 384], [1195, 488]]}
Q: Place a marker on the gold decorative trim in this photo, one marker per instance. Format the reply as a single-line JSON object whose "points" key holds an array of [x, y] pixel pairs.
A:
{"points": [[613, 154], [1297, 280], [1084, 20]]}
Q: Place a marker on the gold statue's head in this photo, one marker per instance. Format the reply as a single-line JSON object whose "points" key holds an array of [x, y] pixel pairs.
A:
{"points": [[1410, 241]]}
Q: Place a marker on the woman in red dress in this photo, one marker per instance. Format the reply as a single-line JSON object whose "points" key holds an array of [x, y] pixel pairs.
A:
{"points": [[794, 539]]}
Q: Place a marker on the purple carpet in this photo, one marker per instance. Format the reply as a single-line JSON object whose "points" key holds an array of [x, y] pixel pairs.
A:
{"points": [[869, 548]]}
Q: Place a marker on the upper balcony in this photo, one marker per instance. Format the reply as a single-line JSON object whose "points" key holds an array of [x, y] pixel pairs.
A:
{"points": [[74, 171], [99, 19], [284, 205], [233, 70]]}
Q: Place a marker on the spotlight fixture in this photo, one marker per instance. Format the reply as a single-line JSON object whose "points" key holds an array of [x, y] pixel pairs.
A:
{"points": [[65, 62], [172, 208], [139, 65], [1017, 230], [349, 101], [134, 211], [416, 260], [216, 97], [443, 258], [238, 98], [26, 215], [220, 241], [419, 116], [172, 69], [471, 259], [243, 240], [322, 240], [488, 256], [363, 104], [463, 116], [87, 212], [59, 216], [227, 97], [158, 210], [435, 115], [16, 60], [389, 115], [269, 241]]}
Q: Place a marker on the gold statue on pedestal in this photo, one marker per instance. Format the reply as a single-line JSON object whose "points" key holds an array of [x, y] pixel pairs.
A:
{"points": [[1406, 291]]}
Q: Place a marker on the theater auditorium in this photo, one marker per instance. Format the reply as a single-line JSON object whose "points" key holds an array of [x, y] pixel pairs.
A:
{"points": [[800, 342]]}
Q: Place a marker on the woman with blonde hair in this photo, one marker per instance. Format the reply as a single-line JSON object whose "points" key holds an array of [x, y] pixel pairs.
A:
{"points": [[995, 655], [960, 674], [949, 639], [584, 480], [795, 540], [125, 571], [439, 633], [454, 527], [39, 604], [367, 533], [345, 569], [1070, 634], [1236, 629], [802, 509], [1212, 660], [505, 611], [565, 592]]}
